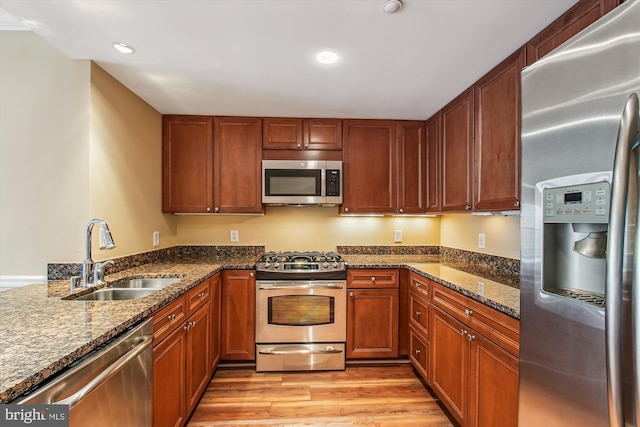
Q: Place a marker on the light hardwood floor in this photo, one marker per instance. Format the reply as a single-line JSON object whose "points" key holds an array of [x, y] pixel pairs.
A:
{"points": [[365, 396]]}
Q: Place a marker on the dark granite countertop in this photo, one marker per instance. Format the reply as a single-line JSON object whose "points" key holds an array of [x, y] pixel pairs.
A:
{"points": [[41, 333], [497, 290]]}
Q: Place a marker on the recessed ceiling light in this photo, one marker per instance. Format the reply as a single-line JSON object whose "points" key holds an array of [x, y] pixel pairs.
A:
{"points": [[327, 57], [123, 48]]}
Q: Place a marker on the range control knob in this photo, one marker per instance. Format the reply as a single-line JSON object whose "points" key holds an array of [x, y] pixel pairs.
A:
{"points": [[267, 265], [276, 264], [334, 265], [325, 265]]}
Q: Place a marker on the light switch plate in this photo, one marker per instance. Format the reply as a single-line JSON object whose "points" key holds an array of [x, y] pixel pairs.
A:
{"points": [[233, 236], [397, 236]]}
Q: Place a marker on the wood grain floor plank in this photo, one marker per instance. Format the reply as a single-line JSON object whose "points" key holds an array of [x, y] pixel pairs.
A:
{"points": [[385, 396]]}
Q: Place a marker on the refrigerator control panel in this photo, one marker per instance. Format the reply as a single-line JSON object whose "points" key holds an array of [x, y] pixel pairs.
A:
{"points": [[577, 203]]}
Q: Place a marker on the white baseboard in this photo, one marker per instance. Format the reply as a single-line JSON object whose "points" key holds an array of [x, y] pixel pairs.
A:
{"points": [[10, 282]]}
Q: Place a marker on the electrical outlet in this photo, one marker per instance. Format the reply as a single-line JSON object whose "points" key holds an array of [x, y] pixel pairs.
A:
{"points": [[156, 238], [481, 240], [397, 236], [233, 236]]}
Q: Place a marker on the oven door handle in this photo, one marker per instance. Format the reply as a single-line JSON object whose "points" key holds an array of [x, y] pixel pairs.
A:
{"points": [[294, 287], [328, 350]]}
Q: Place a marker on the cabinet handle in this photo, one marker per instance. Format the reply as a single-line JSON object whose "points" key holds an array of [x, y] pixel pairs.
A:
{"points": [[208, 209], [346, 209], [193, 324], [401, 210], [417, 351], [417, 285], [373, 278], [306, 145], [187, 327], [350, 294], [516, 203], [468, 312], [251, 274], [418, 313], [471, 337], [216, 209], [467, 207], [201, 295], [299, 146], [172, 317], [463, 332]]}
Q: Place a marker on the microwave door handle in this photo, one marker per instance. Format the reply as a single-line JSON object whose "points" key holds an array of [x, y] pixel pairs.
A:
{"points": [[627, 136]]}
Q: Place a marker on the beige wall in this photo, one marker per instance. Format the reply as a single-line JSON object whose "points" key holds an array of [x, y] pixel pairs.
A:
{"points": [[502, 234], [307, 229], [44, 154], [126, 168]]}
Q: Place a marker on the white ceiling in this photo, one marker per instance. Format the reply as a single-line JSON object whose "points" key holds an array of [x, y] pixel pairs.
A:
{"points": [[257, 57]]}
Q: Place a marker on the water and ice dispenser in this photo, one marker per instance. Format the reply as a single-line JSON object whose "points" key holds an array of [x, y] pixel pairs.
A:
{"points": [[575, 226]]}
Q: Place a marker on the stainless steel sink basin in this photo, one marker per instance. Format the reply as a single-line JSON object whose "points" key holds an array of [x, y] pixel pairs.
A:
{"points": [[111, 294], [146, 282]]}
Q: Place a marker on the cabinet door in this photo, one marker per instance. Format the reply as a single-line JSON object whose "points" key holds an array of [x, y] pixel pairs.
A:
{"points": [[216, 307], [497, 137], [238, 315], [322, 134], [457, 153], [412, 162], [493, 385], [576, 19], [238, 165], [372, 323], [198, 354], [369, 166], [450, 363], [433, 185], [169, 382], [419, 353], [187, 164], [281, 134]]}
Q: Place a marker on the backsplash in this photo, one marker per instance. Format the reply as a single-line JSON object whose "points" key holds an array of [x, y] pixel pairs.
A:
{"points": [[388, 250], [62, 271]]}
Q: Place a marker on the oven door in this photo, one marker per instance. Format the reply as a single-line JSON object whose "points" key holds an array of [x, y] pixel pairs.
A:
{"points": [[301, 311]]}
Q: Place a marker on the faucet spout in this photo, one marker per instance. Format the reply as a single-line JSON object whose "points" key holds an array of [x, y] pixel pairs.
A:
{"points": [[88, 264]]}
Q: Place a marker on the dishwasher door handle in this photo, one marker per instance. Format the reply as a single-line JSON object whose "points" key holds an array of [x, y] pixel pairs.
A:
{"points": [[116, 366], [294, 287]]}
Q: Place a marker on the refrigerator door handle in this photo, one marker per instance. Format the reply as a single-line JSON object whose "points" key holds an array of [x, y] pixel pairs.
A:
{"points": [[627, 139]]}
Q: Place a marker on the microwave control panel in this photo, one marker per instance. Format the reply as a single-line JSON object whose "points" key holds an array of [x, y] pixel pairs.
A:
{"points": [[585, 203], [333, 182]]}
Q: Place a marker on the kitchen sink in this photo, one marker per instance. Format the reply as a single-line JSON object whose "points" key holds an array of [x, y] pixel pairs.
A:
{"points": [[111, 294], [145, 282]]}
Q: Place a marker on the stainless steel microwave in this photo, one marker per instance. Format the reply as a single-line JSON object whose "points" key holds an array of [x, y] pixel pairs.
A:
{"points": [[302, 182]]}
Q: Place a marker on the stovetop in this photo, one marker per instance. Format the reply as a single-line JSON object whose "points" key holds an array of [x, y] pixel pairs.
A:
{"points": [[301, 265]]}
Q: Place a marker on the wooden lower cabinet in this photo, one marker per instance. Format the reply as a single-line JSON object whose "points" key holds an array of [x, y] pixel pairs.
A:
{"points": [[169, 380], [372, 323], [237, 335], [419, 353], [181, 356], [475, 378]]}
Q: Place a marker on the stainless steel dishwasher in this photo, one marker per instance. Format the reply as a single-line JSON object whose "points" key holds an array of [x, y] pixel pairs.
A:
{"points": [[109, 388]]}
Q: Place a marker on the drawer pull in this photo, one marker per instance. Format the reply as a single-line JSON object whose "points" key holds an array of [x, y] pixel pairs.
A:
{"points": [[417, 351], [350, 294], [417, 285], [373, 278], [418, 313], [468, 312], [471, 337], [172, 317], [463, 332]]}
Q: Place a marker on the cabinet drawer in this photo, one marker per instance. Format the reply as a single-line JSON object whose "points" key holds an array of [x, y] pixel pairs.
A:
{"points": [[198, 296], [168, 318], [419, 313], [498, 327], [419, 353], [420, 285], [372, 278]]}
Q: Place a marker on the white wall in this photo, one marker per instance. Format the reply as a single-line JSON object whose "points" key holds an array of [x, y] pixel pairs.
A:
{"points": [[44, 154]]}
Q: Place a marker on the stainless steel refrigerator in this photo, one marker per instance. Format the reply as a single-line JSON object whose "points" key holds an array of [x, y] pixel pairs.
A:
{"points": [[580, 290]]}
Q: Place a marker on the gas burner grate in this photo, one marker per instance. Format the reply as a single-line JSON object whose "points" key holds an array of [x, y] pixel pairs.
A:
{"points": [[583, 296]]}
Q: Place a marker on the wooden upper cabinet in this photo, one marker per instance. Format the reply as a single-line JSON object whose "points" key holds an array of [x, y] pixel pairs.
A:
{"points": [[497, 136], [322, 134], [576, 19], [412, 161], [281, 134], [302, 134], [238, 165], [187, 164], [457, 153], [369, 166], [432, 173]]}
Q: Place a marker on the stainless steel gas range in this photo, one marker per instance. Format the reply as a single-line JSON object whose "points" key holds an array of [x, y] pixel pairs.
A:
{"points": [[301, 311]]}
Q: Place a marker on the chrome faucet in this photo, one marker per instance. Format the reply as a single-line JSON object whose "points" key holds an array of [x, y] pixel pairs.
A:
{"points": [[90, 274]]}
